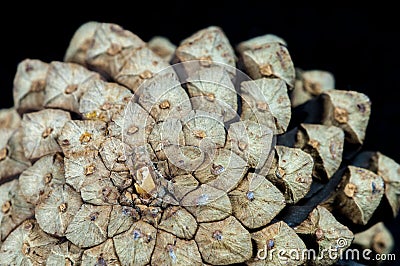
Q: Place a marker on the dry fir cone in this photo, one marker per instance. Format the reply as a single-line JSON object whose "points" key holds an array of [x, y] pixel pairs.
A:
{"points": [[377, 238], [348, 110], [325, 145], [228, 238], [250, 140], [41, 130], [9, 118], [359, 194], [216, 98], [310, 84], [141, 65], [258, 196], [14, 208], [135, 246], [291, 173], [102, 100], [386, 168], [208, 45], [162, 47], [259, 41], [80, 138], [43, 176], [56, 211], [63, 88], [110, 48], [266, 101], [65, 253], [12, 157], [173, 168], [170, 250], [29, 85], [322, 228], [271, 59], [80, 43], [103, 254], [225, 171], [274, 238], [27, 245], [163, 97]]}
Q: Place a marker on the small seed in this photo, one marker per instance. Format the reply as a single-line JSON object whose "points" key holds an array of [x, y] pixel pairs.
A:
{"points": [[6, 206], [65, 142], [280, 173], [313, 143], [250, 195], [242, 145], [136, 234], [217, 235], [48, 177], [93, 216], [201, 134], [361, 107], [171, 253], [164, 104], [114, 49], [71, 88], [262, 106], [89, 169], [91, 115], [132, 130], [146, 74], [374, 188], [266, 70], [205, 61], [270, 244], [47, 132], [25, 248], [101, 261], [341, 115], [154, 211], [217, 169], [106, 192], [3, 154], [29, 67], [63, 207], [350, 190], [121, 158], [210, 97], [106, 106], [319, 234], [28, 226], [301, 179], [85, 138]]}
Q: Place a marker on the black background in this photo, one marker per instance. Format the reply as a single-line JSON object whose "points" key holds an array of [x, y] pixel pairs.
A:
{"points": [[359, 46]]}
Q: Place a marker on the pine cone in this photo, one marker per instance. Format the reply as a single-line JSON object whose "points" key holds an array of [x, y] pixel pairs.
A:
{"points": [[118, 157]]}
